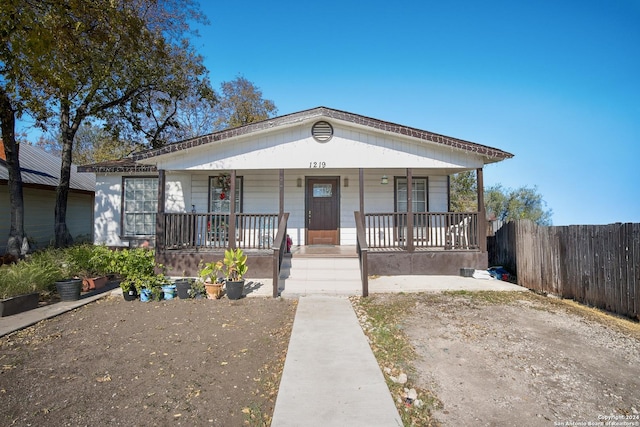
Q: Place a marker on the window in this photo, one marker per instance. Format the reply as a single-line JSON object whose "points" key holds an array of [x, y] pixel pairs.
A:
{"points": [[219, 197], [322, 190], [419, 195], [140, 202]]}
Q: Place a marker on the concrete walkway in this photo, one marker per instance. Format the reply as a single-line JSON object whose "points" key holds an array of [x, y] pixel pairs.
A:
{"points": [[331, 377], [25, 319]]}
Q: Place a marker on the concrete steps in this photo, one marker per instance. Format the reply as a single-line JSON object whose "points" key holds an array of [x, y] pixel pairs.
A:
{"points": [[330, 276]]}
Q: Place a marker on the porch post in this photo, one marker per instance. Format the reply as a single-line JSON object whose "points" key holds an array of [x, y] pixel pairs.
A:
{"points": [[281, 208], [232, 214], [482, 215], [409, 237], [160, 214], [361, 189]]}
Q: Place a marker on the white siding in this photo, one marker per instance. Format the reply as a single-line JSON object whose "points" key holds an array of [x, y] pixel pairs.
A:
{"points": [[350, 147], [39, 208], [438, 194], [260, 195], [178, 192], [106, 224]]}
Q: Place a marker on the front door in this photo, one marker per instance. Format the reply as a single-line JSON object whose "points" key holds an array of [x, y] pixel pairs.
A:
{"points": [[323, 211]]}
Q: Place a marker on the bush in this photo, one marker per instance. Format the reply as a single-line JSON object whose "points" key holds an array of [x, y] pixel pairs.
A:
{"points": [[38, 273], [40, 270], [87, 260], [138, 268]]}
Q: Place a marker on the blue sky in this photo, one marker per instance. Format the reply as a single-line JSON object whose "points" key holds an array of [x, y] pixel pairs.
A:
{"points": [[556, 83]]}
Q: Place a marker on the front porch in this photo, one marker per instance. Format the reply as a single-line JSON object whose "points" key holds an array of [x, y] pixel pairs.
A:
{"points": [[388, 244]]}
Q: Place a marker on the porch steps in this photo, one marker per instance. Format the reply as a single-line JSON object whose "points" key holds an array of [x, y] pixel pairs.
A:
{"points": [[333, 275]]}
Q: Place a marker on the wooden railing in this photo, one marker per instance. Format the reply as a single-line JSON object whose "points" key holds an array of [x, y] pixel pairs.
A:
{"points": [[446, 230], [279, 249], [212, 230], [363, 251]]}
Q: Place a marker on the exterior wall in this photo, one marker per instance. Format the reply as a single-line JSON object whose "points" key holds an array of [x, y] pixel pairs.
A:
{"points": [[294, 147], [39, 207], [261, 195], [106, 224], [108, 212]]}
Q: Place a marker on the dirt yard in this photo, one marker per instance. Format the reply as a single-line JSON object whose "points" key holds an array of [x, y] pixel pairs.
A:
{"points": [[178, 362], [489, 358], [506, 359]]}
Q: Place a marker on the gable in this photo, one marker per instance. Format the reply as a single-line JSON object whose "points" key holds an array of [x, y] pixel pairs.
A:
{"points": [[295, 147], [286, 142]]}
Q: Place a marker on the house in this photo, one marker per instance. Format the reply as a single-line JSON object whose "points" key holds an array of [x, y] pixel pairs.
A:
{"points": [[40, 173], [327, 177]]}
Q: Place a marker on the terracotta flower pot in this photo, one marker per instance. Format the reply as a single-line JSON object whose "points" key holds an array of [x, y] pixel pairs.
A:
{"points": [[91, 283], [214, 290]]}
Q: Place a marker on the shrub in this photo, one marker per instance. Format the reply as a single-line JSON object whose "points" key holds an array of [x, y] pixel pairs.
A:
{"points": [[138, 268], [87, 260], [38, 273]]}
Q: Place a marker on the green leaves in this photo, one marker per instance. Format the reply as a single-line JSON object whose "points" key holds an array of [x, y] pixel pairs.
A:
{"points": [[521, 203], [501, 203]]}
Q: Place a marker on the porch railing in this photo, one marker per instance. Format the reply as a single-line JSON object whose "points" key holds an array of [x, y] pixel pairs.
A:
{"points": [[212, 230], [363, 252], [445, 230], [279, 249]]}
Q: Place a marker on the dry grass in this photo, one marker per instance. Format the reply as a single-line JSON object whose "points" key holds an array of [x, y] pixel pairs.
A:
{"points": [[380, 318]]}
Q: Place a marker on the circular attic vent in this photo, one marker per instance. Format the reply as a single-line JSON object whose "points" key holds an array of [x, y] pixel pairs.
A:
{"points": [[322, 131]]}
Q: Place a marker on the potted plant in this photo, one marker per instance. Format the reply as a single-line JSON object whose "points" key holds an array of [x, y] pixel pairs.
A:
{"points": [[182, 286], [233, 268], [129, 291], [208, 279], [197, 289], [24, 283], [137, 268], [89, 263], [69, 289]]}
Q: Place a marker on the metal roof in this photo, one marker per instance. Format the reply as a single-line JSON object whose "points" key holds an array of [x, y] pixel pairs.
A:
{"points": [[41, 168]]}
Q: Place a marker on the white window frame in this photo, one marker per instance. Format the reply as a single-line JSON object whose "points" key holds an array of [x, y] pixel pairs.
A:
{"points": [[418, 205], [139, 206], [218, 205]]}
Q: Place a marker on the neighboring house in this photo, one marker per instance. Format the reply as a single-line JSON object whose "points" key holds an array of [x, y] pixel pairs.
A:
{"points": [[40, 175], [329, 170]]}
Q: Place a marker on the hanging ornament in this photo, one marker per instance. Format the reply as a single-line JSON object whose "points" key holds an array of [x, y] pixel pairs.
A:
{"points": [[222, 196]]}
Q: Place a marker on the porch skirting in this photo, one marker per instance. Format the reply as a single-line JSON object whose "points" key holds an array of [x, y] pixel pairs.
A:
{"points": [[185, 263], [425, 262]]}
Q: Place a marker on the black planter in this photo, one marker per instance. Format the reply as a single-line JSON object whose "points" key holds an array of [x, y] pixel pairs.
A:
{"points": [[69, 289], [18, 304], [183, 287], [131, 294], [234, 289]]}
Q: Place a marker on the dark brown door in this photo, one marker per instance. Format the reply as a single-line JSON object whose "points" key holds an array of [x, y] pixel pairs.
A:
{"points": [[323, 211]]}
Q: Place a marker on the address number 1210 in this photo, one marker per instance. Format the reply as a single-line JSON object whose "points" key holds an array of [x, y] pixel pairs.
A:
{"points": [[315, 165]]}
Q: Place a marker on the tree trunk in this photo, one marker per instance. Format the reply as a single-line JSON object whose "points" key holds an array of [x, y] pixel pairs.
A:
{"points": [[17, 243], [62, 236]]}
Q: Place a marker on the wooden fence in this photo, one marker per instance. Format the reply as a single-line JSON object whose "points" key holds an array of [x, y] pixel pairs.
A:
{"points": [[598, 265]]}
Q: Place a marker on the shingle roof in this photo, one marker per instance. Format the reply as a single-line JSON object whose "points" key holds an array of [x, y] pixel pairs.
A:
{"points": [[38, 167], [289, 119], [123, 165]]}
